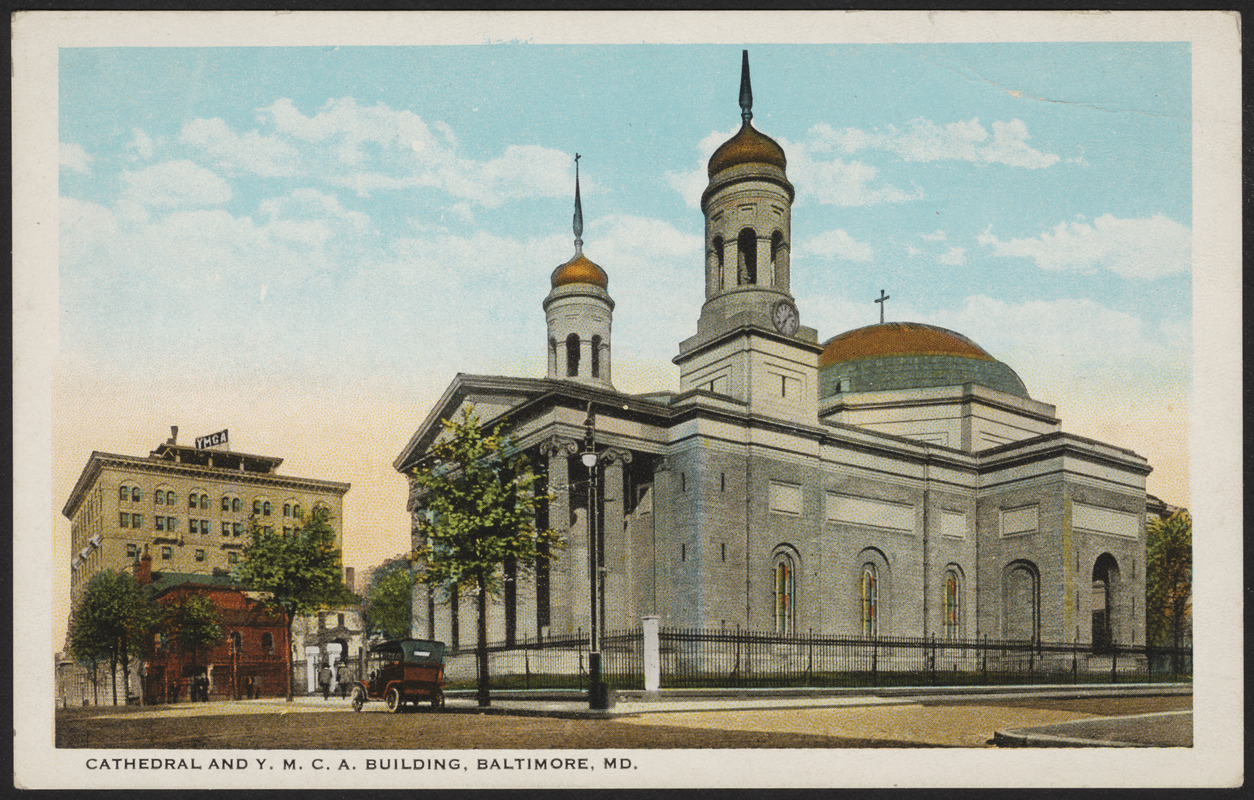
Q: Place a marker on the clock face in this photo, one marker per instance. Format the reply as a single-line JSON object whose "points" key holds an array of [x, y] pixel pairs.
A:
{"points": [[785, 318]]}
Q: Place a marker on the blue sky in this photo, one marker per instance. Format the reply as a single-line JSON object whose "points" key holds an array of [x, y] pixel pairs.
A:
{"points": [[284, 240]]}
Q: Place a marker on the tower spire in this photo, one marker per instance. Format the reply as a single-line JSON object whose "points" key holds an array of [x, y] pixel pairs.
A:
{"points": [[746, 91], [578, 221]]}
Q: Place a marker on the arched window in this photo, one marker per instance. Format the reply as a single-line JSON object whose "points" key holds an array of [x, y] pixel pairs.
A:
{"points": [[136, 495], [265, 508], [1105, 582], [953, 604], [747, 257], [785, 591], [204, 501], [170, 498], [777, 246], [1021, 602], [256, 507], [572, 355], [718, 260], [287, 509], [596, 356], [267, 643], [236, 504], [297, 512], [158, 497], [870, 601], [124, 493]]}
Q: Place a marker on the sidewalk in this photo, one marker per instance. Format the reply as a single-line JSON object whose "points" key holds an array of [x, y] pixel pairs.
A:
{"points": [[1165, 729]]}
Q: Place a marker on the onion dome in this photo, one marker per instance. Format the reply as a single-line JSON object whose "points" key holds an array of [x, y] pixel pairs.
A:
{"points": [[909, 355], [748, 146], [579, 269]]}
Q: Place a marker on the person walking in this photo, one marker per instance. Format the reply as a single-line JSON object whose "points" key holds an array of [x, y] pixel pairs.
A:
{"points": [[324, 680], [343, 678]]}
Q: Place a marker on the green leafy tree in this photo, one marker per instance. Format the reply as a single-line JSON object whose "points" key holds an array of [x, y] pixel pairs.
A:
{"points": [[1168, 577], [299, 572], [389, 601], [478, 495], [194, 625], [113, 620]]}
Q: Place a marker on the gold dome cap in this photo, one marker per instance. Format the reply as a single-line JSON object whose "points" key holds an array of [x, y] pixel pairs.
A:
{"points": [[579, 270], [899, 339], [748, 146]]}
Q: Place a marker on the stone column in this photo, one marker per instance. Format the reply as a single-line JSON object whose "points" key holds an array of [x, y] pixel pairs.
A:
{"points": [[562, 593], [619, 611]]}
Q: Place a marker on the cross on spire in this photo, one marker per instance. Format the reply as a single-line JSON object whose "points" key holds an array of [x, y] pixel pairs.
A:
{"points": [[578, 221], [881, 300]]}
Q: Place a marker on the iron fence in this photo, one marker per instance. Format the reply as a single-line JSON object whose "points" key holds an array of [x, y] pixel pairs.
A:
{"points": [[740, 658]]}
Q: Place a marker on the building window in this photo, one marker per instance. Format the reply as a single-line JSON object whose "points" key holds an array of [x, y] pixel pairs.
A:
{"points": [[683, 552], [683, 482], [191, 500], [137, 520], [226, 503], [572, 355], [204, 527], [287, 509], [268, 530], [236, 504], [236, 528], [136, 495], [233, 557], [267, 643], [200, 555], [170, 498], [265, 508], [596, 356], [124, 493], [167, 553], [226, 529], [870, 601], [160, 523], [132, 550], [722, 481], [785, 594], [124, 520], [204, 501], [256, 507], [747, 257], [191, 526], [953, 607], [297, 511], [158, 498], [718, 260]]}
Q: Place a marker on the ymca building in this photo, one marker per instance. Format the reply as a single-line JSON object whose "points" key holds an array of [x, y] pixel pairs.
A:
{"points": [[893, 480]]}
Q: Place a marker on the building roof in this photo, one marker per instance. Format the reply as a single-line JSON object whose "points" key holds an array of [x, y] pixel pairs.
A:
{"points": [[164, 581], [909, 355], [748, 146], [579, 270]]}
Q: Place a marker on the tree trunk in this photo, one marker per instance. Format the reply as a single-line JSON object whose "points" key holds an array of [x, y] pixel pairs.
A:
{"points": [[288, 657], [113, 670], [126, 672], [482, 656]]}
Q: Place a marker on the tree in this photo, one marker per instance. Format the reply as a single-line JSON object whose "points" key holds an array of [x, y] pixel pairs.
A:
{"points": [[1168, 577], [299, 572], [194, 625], [389, 600], [479, 502], [113, 620]]}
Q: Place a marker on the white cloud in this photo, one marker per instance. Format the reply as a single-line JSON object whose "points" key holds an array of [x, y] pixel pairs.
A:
{"points": [[844, 183], [938, 236], [1148, 248], [266, 156], [836, 244], [141, 144], [953, 257], [175, 184], [913, 251], [74, 158], [689, 184], [925, 140]]}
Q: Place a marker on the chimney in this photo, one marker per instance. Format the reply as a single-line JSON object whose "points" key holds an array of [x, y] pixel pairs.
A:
{"points": [[174, 435], [143, 568]]}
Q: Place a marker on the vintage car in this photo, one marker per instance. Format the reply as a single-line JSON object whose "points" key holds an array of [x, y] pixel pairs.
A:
{"points": [[403, 671]]}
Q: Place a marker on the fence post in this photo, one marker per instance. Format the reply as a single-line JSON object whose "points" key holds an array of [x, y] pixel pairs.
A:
{"points": [[984, 659], [932, 660], [875, 658], [1114, 663], [810, 659], [651, 649], [526, 670]]}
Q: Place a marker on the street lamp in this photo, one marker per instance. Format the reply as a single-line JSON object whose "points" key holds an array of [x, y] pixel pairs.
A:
{"points": [[598, 692]]}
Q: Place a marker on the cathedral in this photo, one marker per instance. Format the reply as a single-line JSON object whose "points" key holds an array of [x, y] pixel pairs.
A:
{"points": [[893, 480]]}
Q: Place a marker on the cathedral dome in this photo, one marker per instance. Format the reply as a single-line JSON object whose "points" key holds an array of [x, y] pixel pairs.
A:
{"points": [[579, 270], [909, 355], [748, 146]]}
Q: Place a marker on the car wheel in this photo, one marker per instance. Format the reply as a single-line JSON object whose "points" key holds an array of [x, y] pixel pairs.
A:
{"points": [[437, 700], [394, 700], [359, 698]]}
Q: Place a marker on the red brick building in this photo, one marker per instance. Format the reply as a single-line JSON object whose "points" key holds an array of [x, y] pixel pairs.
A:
{"points": [[251, 654]]}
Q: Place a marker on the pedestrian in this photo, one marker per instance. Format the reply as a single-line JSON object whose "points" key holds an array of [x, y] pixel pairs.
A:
{"points": [[324, 679], [343, 677], [249, 687]]}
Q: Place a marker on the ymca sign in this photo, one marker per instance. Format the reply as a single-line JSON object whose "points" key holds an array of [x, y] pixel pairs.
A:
{"points": [[212, 440]]}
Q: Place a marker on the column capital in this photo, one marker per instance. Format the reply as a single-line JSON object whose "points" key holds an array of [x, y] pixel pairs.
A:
{"points": [[558, 445]]}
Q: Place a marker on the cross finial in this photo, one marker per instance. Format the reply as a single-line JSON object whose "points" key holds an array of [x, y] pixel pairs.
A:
{"points": [[746, 91], [881, 300], [578, 222]]}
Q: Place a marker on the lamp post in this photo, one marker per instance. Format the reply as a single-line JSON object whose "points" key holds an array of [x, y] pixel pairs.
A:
{"points": [[598, 692]]}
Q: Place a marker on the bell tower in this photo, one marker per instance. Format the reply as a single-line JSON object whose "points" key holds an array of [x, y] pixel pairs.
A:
{"points": [[580, 313], [750, 344]]}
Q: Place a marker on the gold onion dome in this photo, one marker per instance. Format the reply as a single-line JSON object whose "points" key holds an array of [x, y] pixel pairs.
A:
{"points": [[579, 270], [748, 146], [899, 339]]}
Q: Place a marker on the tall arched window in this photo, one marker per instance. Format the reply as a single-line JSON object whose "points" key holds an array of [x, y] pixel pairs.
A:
{"points": [[136, 495], [1105, 581], [747, 257], [236, 504], [953, 607], [596, 357], [777, 254], [1021, 612], [124, 493], [718, 261], [170, 498], [870, 601], [785, 583], [572, 355]]}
